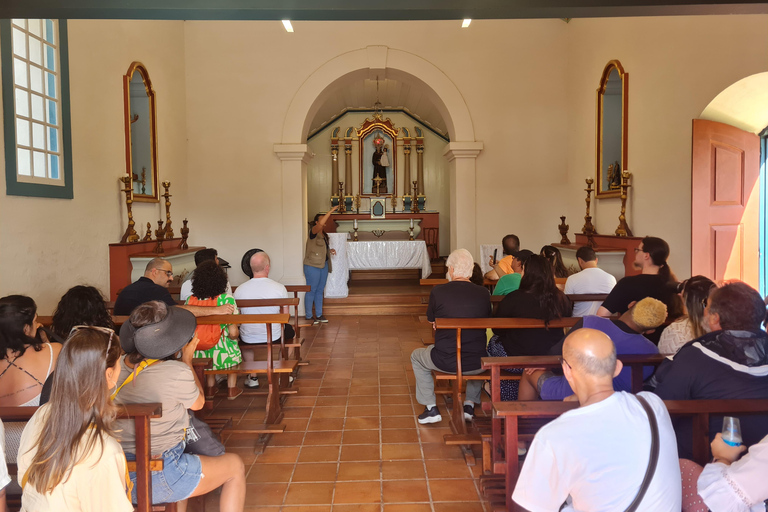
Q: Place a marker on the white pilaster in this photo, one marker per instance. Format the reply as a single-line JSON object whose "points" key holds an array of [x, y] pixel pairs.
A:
{"points": [[462, 158]]}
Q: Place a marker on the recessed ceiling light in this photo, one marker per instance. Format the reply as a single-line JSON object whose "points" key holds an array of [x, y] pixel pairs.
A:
{"points": [[466, 22], [288, 26]]}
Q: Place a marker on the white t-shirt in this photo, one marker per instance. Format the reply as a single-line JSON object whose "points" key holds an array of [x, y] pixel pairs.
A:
{"points": [[186, 289], [596, 457], [260, 288], [589, 280], [5, 479]]}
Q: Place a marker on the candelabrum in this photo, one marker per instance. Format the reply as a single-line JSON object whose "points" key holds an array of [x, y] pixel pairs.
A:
{"points": [[414, 199], [342, 206], [394, 203], [160, 234], [130, 234], [563, 227], [357, 203], [589, 229], [623, 229], [167, 196], [184, 235], [148, 235]]}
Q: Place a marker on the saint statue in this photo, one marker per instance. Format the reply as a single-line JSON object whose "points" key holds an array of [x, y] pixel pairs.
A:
{"points": [[380, 162]]}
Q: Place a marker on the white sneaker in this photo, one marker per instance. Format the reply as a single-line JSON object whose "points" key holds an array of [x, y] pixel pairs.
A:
{"points": [[251, 382]]}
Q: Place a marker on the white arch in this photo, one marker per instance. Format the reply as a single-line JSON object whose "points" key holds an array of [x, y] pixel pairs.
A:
{"points": [[743, 104], [384, 62]]}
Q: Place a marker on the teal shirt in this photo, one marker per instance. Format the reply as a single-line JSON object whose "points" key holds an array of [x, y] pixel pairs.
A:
{"points": [[507, 284]]}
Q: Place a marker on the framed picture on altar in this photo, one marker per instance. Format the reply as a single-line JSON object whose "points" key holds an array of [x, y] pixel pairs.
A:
{"points": [[378, 207], [378, 158]]}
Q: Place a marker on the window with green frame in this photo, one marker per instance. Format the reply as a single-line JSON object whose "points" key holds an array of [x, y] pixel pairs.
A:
{"points": [[36, 116]]}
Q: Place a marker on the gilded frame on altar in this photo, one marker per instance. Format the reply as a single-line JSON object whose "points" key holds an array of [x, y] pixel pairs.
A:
{"points": [[612, 119], [372, 134]]}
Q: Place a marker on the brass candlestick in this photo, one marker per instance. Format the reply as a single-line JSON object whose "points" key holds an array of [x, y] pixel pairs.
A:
{"points": [[394, 203], [167, 196], [184, 235], [563, 227], [342, 206], [130, 234], [357, 203], [160, 234], [623, 229], [414, 198], [588, 228], [148, 235]]}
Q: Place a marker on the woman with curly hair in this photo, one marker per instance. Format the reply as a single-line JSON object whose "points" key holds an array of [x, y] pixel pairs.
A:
{"points": [[553, 256], [81, 305], [209, 285]]}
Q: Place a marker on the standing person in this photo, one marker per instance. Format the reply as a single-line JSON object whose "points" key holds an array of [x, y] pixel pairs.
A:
{"points": [[69, 459], [317, 265], [458, 298], [150, 372], [553, 256], [590, 280], [695, 292]]}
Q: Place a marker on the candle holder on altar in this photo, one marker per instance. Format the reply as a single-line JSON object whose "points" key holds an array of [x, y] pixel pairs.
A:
{"points": [[410, 231], [623, 229], [184, 235], [414, 198], [130, 234], [394, 203], [167, 196], [160, 234], [342, 204], [357, 203], [148, 235], [588, 228], [563, 227]]}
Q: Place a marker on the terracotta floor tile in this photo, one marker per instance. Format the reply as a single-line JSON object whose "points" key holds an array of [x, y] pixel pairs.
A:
{"points": [[402, 470], [432, 434], [333, 382], [360, 437], [368, 380], [458, 507], [297, 412], [325, 401], [295, 424], [320, 472], [441, 451], [400, 451], [326, 424], [453, 490], [401, 389], [329, 412], [265, 494], [319, 454], [395, 399], [398, 422], [359, 452], [333, 391], [357, 508], [354, 411], [408, 435], [362, 400], [404, 491], [309, 494], [357, 492], [407, 507], [364, 423], [322, 438], [246, 453], [269, 473], [305, 508], [448, 469], [365, 391], [359, 471], [277, 454]]}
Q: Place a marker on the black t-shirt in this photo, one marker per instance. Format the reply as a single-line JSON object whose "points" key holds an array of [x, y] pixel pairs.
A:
{"points": [[634, 288], [459, 299], [526, 342], [135, 294]]}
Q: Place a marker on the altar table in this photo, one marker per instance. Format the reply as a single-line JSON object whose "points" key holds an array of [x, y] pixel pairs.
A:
{"points": [[372, 255]]}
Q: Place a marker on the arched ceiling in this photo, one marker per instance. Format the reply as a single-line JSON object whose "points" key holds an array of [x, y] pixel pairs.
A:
{"points": [[743, 104], [392, 94]]}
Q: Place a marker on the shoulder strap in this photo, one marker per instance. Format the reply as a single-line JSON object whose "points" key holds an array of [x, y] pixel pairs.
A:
{"points": [[142, 365], [652, 460]]}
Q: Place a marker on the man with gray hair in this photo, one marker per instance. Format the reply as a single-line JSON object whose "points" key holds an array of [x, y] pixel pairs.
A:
{"points": [[459, 298], [595, 457]]}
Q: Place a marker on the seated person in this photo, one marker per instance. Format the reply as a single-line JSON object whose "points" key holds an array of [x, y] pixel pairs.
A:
{"points": [[511, 282], [626, 333], [510, 244], [71, 462], [595, 457], [729, 483], [695, 292], [591, 280], [458, 298], [201, 256], [5, 479], [539, 298], [151, 371], [655, 280], [260, 286], [153, 285], [729, 362], [210, 285], [477, 275], [553, 256]]}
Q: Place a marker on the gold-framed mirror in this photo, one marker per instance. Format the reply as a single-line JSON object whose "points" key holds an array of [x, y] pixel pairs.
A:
{"points": [[612, 101], [140, 133]]}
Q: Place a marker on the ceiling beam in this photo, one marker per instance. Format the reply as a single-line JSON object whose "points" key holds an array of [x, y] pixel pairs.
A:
{"points": [[355, 10]]}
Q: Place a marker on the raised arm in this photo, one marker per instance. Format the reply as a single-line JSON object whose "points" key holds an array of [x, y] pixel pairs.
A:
{"points": [[321, 223]]}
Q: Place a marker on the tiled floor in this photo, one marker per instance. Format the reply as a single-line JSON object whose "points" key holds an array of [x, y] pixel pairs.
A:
{"points": [[352, 442]]}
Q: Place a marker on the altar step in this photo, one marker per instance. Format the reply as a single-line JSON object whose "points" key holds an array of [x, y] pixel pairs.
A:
{"points": [[377, 297]]}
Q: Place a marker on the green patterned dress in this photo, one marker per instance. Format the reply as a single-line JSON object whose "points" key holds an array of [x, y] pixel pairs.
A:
{"points": [[225, 353]]}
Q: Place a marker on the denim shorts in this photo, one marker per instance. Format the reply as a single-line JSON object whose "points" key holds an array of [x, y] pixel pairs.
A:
{"points": [[177, 481]]}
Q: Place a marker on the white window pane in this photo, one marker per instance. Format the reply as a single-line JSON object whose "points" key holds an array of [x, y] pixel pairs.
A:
{"points": [[20, 73], [38, 137], [39, 165], [22, 103], [49, 31], [50, 84], [50, 57], [53, 139], [19, 43], [34, 27], [53, 166], [36, 79], [38, 114], [23, 163], [22, 132], [35, 51], [52, 112], [20, 22]]}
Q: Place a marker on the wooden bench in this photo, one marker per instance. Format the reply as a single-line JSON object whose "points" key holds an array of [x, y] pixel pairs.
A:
{"points": [[292, 347], [700, 410], [493, 446], [143, 466]]}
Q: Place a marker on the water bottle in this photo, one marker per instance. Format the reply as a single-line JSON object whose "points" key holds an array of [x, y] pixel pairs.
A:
{"points": [[731, 431]]}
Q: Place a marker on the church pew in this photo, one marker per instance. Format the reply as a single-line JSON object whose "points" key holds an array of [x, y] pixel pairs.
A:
{"points": [[700, 410], [495, 463], [140, 414], [293, 349]]}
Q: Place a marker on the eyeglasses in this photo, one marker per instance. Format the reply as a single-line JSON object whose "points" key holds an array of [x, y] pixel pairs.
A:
{"points": [[169, 273], [563, 361], [104, 330]]}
